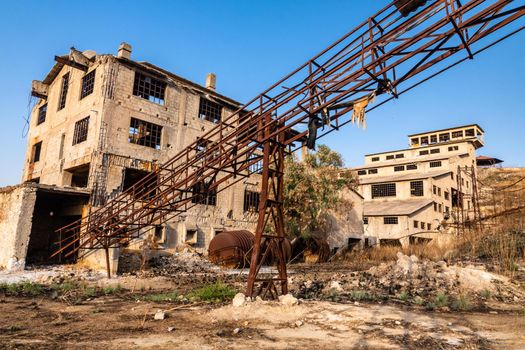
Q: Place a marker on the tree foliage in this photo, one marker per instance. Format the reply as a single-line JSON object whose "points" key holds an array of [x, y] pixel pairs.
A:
{"points": [[313, 189]]}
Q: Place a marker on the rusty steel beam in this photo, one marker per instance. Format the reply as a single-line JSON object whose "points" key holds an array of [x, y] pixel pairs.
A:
{"points": [[386, 56]]}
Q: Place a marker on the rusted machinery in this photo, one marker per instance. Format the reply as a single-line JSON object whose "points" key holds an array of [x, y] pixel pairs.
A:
{"points": [[390, 53], [234, 249]]}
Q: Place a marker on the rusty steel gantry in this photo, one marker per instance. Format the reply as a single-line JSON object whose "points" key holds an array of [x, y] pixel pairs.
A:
{"points": [[405, 44]]}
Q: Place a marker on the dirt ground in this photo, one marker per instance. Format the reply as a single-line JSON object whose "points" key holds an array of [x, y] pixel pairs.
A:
{"points": [[119, 323]]}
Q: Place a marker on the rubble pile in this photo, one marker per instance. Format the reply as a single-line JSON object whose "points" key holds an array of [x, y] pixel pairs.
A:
{"points": [[411, 278]]}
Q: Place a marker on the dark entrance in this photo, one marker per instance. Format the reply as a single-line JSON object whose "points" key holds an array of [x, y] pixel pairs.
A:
{"points": [[53, 210]]}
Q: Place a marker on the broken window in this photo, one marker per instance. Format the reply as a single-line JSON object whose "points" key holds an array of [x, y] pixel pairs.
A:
{"points": [[416, 188], [144, 133], [63, 91], [446, 195], [436, 164], [390, 156], [435, 206], [365, 220], [434, 151], [469, 132], [375, 159], [203, 194], [399, 168], [422, 225], [372, 171], [209, 110], [251, 201], [415, 141], [42, 111], [444, 137], [411, 167], [422, 153], [384, 190], [149, 88], [257, 167], [88, 84], [439, 191], [428, 227], [457, 134], [434, 189], [361, 172], [447, 209], [81, 131], [416, 224], [424, 141], [433, 138], [440, 207], [143, 182], [453, 148], [35, 152], [390, 220], [400, 155]]}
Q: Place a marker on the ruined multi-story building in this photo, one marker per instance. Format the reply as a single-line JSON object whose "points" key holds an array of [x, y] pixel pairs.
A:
{"points": [[101, 123], [412, 194]]}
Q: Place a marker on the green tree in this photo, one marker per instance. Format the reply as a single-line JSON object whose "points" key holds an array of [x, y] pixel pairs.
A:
{"points": [[312, 190]]}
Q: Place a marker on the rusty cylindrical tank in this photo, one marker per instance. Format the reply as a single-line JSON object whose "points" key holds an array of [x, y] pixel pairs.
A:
{"points": [[233, 249]]}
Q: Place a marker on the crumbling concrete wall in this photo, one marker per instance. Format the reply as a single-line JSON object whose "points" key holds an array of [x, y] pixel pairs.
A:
{"points": [[16, 211], [348, 223]]}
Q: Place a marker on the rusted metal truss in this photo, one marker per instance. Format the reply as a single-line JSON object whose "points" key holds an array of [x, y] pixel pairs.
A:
{"points": [[386, 56]]}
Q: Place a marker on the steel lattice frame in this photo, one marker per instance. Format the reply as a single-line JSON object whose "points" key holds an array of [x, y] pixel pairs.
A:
{"points": [[386, 53]]}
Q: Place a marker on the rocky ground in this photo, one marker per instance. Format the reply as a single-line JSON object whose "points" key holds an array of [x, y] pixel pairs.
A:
{"points": [[403, 304]]}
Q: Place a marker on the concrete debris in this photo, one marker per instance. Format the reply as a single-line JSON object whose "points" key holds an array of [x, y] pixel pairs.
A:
{"points": [[298, 323], [236, 330], [238, 300], [171, 329], [288, 300], [334, 286], [159, 315]]}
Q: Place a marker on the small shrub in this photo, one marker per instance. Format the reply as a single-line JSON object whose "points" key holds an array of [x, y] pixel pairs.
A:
{"points": [[441, 300], [158, 298], [360, 295], [64, 287], [404, 295], [430, 306], [112, 289], [485, 293], [90, 292], [216, 292], [23, 288], [462, 303]]}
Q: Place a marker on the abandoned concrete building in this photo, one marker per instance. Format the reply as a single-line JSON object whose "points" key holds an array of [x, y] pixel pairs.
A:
{"points": [[413, 194], [100, 124]]}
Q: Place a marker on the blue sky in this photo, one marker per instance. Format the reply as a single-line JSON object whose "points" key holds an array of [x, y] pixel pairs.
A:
{"points": [[250, 45]]}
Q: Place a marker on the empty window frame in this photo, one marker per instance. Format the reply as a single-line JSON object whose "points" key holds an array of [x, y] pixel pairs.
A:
{"points": [[434, 189], [447, 210], [411, 167], [424, 141], [390, 156], [384, 190], [446, 194], [149, 88], [428, 227], [35, 152], [251, 201], [440, 207], [257, 167], [81, 131], [390, 220], [399, 168], [415, 141], [439, 191], [457, 134], [144, 133], [422, 153], [435, 206], [434, 151], [42, 112], [416, 224], [422, 225], [88, 84], [209, 110], [453, 148], [400, 155], [203, 194], [372, 171], [444, 137], [361, 172], [365, 220], [416, 188], [469, 132], [63, 91], [433, 138], [436, 164], [375, 159]]}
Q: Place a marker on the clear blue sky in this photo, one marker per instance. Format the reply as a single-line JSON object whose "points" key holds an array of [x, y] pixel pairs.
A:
{"points": [[251, 44]]}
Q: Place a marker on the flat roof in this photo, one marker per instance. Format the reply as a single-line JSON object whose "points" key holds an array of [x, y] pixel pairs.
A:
{"points": [[395, 207], [437, 144], [447, 129], [401, 161]]}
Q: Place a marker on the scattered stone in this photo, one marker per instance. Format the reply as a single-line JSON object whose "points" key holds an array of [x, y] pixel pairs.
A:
{"points": [[398, 323], [236, 330], [298, 323], [171, 329], [288, 300], [159, 315], [335, 286], [238, 300]]}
